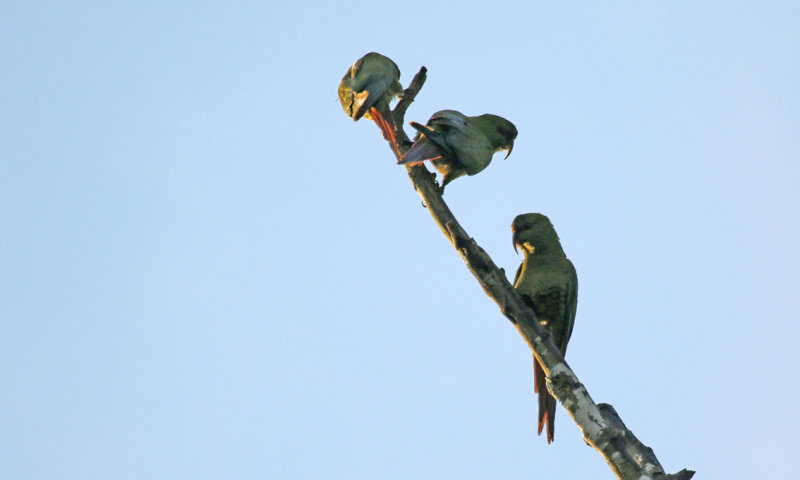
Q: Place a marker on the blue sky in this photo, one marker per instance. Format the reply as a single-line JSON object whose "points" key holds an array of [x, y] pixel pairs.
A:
{"points": [[209, 271]]}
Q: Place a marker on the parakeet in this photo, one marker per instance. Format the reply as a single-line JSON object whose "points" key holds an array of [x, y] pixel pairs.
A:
{"points": [[460, 145], [546, 281], [367, 89]]}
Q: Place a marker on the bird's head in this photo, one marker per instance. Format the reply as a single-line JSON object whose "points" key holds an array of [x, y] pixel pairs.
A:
{"points": [[372, 78], [502, 132], [534, 232]]}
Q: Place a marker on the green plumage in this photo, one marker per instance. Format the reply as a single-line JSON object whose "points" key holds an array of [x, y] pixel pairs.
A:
{"points": [[366, 90], [373, 81], [546, 281], [460, 145]]}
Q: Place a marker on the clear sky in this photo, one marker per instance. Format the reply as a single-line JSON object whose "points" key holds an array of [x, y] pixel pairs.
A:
{"points": [[208, 271]]}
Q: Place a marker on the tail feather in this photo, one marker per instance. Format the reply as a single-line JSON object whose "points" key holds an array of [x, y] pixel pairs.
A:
{"points": [[433, 135], [385, 120], [547, 404], [421, 151]]}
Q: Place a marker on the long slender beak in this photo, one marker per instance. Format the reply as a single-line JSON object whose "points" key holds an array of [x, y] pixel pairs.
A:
{"points": [[510, 147]]}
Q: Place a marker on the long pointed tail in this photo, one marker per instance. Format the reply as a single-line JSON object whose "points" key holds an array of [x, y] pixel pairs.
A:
{"points": [[383, 117], [422, 150], [547, 404]]}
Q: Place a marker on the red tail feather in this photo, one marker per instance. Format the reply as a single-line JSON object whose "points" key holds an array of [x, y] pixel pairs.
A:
{"points": [[386, 124], [547, 404]]}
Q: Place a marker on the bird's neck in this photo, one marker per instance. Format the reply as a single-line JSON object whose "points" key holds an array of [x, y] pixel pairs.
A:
{"points": [[546, 251]]}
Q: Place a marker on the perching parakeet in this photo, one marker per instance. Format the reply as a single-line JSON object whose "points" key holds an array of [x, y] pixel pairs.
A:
{"points": [[367, 89], [460, 145], [546, 281]]}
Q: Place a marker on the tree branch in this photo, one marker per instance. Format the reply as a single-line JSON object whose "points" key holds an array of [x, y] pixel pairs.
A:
{"points": [[601, 426], [408, 96]]}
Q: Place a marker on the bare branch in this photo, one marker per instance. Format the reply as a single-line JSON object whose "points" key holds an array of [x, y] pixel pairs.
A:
{"points": [[410, 93], [601, 426]]}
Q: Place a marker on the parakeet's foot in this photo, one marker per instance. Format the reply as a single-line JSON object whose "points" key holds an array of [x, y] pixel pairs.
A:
{"points": [[438, 188]]}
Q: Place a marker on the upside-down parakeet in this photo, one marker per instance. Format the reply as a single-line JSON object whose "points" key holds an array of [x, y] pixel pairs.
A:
{"points": [[367, 89], [460, 145], [546, 281]]}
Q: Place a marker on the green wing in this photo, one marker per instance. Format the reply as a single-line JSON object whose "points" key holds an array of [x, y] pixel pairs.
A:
{"points": [[571, 299]]}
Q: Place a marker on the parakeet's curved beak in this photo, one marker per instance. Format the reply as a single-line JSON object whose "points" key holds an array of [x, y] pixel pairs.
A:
{"points": [[514, 241], [510, 147]]}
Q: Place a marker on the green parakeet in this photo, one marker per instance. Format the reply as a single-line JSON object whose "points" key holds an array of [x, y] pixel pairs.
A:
{"points": [[460, 145], [367, 89], [546, 281]]}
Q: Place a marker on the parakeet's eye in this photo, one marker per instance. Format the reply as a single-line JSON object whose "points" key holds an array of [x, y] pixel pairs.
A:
{"points": [[507, 132]]}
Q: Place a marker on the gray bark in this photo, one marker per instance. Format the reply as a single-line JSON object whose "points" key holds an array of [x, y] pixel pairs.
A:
{"points": [[602, 428]]}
